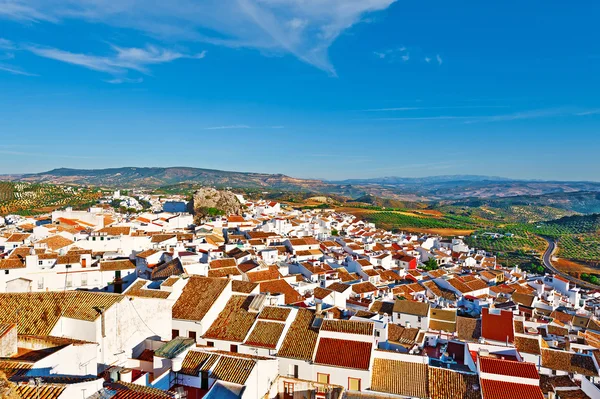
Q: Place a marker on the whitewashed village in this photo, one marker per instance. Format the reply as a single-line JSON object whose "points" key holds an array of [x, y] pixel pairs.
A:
{"points": [[276, 302]]}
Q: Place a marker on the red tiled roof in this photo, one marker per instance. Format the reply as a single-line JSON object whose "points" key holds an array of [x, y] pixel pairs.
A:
{"points": [[497, 327], [344, 353], [492, 389], [508, 367]]}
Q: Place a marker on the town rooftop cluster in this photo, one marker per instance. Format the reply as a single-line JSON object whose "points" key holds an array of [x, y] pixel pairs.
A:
{"points": [[279, 303]]}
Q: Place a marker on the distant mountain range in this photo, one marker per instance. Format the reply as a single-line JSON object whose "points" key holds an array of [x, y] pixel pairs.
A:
{"points": [[435, 188]]}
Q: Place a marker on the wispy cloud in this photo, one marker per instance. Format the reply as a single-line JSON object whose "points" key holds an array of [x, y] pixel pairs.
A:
{"points": [[303, 28], [224, 127], [122, 59], [15, 70], [430, 108], [589, 112], [439, 59], [427, 60], [227, 127], [6, 44], [393, 54], [522, 115], [117, 81]]}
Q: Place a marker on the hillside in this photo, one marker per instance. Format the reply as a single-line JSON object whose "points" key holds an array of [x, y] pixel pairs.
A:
{"points": [[158, 177]]}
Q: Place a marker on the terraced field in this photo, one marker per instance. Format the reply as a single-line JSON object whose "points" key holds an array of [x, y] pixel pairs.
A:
{"points": [[33, 198]]}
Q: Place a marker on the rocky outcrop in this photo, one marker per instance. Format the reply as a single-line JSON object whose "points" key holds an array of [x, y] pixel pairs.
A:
{"points": [[211, 202]]}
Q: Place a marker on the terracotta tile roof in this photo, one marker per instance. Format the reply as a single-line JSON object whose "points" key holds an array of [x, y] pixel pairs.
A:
{"points": [[146, 253], [224, 272], [468, 329], [281, 287], [523, 299], [274, 313], [527, 345], [272, 273], [338, 287], [199, 294], [68, 259], [134, 391], [113, 265], [265, 334], [401, 335], [244, 287], [448, 315], [348, 327], [20, 253], [18, 237], [10, 264], [115, 230], [168, 269], [569, 361], [44, 391], [497, 326], [301, 338], [233, 369], [14, 368], [399, 378], [492, 389], [37, 313], [158, 238], [196, 361], [448, 384], [55, 242], [234, 321], [381, 307], [321, 293], [411, 308], [224, 262], [343, 353], [137, 289], [509, 368], [363, 288]]}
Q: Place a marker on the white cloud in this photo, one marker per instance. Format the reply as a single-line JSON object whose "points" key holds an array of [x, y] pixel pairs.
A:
{"points": [[122, 60], [224, 127], [427, 60], [227, 127], [6, 44], [406, 57], [380, 55], [117, 81], [15, 70], [304, 28], [439, 59]]}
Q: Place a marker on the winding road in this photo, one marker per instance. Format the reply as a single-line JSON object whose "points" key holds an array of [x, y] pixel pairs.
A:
{"points": [[547, 258]]}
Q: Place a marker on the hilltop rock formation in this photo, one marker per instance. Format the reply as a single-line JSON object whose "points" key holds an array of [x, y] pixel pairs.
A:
{"points": [[211, 202]]}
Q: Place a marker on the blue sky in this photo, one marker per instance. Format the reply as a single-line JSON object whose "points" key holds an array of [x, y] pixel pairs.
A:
{"points": [[310, 88]]}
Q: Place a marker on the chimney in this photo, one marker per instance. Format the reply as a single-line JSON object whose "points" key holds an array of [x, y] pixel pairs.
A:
{"points": [[319, 307], [8, 340]]}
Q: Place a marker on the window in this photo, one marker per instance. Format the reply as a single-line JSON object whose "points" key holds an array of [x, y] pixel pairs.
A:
{"points": [[68, 266], [377, 333], [192, 335], [233, 348], [69, 281], [293, 370], [6, 272], [353, 384], [83, 279], [419, 318], [40, 262], [323, 378], [174, 334], [40, 283], [210, 344]]}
